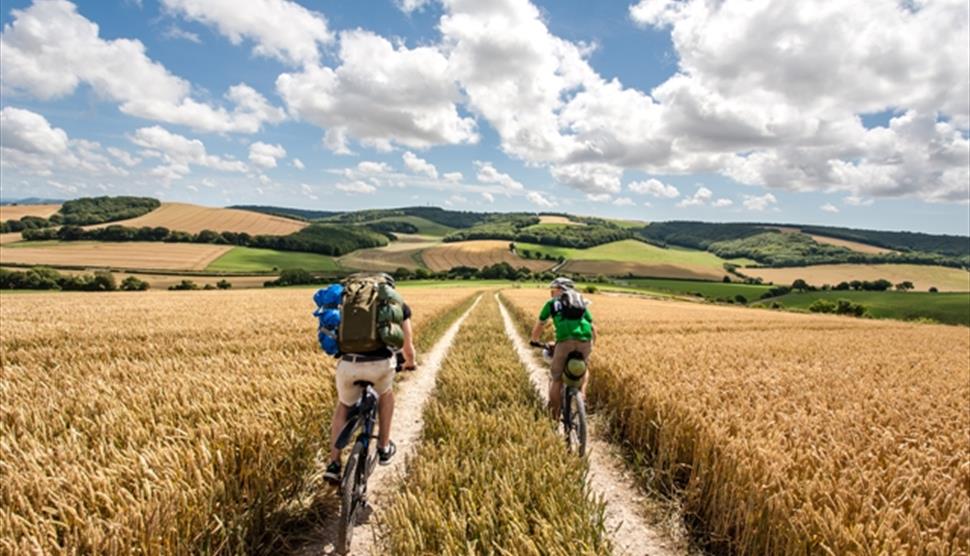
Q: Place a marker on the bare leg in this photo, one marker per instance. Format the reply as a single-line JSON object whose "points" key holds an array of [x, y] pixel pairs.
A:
{"points": [[385, 412], [555, 398], [337, 425]]}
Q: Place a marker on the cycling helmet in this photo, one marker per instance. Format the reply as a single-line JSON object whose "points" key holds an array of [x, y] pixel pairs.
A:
{"points": [[562, 283]]}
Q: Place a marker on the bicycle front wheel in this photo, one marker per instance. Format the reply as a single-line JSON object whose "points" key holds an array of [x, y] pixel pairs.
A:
{"points": [[574, 423], [350, 496]]}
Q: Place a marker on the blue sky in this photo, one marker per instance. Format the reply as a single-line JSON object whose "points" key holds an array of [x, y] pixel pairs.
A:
{"points": [[656, 110]]}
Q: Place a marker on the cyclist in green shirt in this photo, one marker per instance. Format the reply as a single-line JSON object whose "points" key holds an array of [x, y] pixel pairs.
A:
{"points": [[571, 335]]}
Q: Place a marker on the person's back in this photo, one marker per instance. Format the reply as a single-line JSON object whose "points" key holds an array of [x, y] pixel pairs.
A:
{"points": [[372, 359], [574, 332]]}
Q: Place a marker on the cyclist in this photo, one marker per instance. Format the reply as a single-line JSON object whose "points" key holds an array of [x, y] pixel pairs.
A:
{"points": [[571, 335], [378, 368]]}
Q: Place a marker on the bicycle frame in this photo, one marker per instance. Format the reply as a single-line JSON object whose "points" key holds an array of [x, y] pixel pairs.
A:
{"points": [[362, 417]]}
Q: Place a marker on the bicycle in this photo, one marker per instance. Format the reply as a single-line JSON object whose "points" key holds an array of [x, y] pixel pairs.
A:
{"points": [[573, 409], [360, 464]]}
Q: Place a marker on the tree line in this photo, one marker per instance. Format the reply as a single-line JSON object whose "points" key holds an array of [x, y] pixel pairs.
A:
{"points": [[86, 211], [325, 239]]}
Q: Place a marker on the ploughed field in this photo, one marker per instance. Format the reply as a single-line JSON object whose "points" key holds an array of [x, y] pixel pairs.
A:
{"points": [[406, 252], [477, 254], [790, 433], [133, 255], [164, 422], [184, 217]]}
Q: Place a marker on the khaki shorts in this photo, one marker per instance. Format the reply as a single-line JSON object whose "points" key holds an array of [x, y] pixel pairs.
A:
{"points": [[380, 373], [563, 349]]}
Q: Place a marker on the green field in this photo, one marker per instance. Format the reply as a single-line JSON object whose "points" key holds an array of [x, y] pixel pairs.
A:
{"points": [[44, 243], [251, 259], [945, 307], [424, 226], [690, 287], [631, 250]]}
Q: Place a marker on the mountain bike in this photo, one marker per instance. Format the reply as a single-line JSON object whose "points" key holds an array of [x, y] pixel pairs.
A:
{"points": [[573, 410], [361, 418]]}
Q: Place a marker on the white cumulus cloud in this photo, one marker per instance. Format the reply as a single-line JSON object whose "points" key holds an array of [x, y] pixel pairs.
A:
{"points": [[539, 199], [356, 186], [488, 174], [829, 207], [654, 187], [699, 198], [30, 144], [453, 177], [380, 95], [279, 28], [760, 202], [49, 49], [265, 155], [722, 203], [419, 165], [370, 167], [178, 153]]}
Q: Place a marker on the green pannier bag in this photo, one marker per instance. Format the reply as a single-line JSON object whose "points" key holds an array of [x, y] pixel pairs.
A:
{"points": [[575, 368], [370, 310]]}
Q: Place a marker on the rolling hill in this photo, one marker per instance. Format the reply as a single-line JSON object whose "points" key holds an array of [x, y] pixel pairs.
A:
{"points": [[16, 212], [190, 218]]}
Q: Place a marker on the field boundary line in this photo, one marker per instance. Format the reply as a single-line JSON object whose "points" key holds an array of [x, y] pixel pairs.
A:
{"points": [[406, 430], [608, 480]]}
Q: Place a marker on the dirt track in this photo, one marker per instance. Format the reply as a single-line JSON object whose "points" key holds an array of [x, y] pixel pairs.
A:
{"points": [[630, 531]]}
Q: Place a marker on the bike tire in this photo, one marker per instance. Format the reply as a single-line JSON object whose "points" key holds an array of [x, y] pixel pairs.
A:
{"points": [[349, 500], [574, 423]]}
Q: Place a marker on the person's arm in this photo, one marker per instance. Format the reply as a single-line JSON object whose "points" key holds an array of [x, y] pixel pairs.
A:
{"points": [[408, 348], [537, 330], [544, 315]]}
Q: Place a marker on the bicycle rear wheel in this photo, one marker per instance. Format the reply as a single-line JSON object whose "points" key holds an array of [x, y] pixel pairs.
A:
{"points": [[350, 499], [574, 422]]}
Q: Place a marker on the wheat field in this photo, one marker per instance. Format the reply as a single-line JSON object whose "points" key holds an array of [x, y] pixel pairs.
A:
{"points": [[162, 422], [16, 212], [131, 255], [185, 217], [492, 475], [786, 433]]}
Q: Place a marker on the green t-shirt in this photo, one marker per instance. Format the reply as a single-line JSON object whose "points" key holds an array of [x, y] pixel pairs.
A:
{"points": [[568, 329]]}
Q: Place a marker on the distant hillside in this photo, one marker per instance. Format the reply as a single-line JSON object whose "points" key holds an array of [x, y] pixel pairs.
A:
{"points": [[769, 245], [450, 218], [31, 201], [184, 217], [902, 241], [299, 214]]}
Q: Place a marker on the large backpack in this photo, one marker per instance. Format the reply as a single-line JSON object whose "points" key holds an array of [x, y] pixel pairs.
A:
{"points": [[371, 313], [570, 304]]}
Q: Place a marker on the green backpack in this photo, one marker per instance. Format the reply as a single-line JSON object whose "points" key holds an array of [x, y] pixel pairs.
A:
{"points": [[371, 313]]}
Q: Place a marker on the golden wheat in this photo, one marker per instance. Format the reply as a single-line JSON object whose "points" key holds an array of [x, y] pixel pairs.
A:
{"points": [[161, 422], [491, 476], [791, 433]]}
